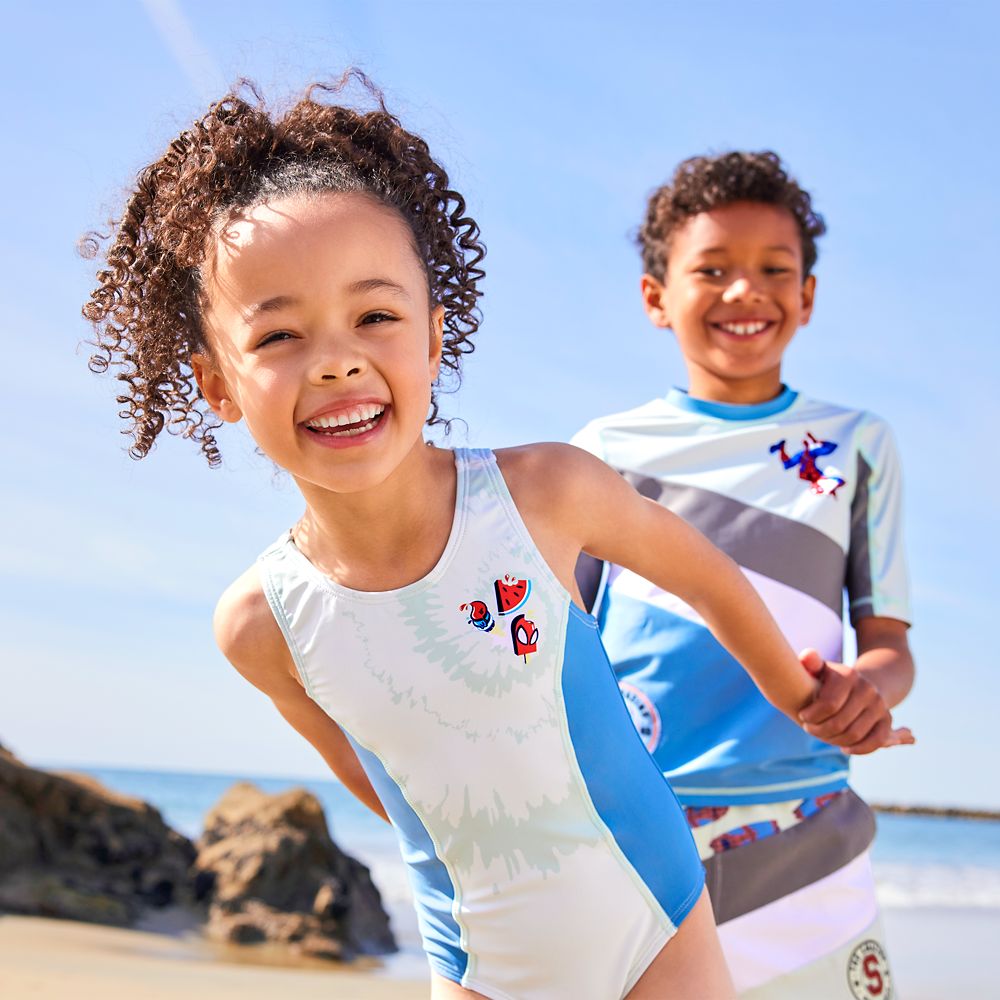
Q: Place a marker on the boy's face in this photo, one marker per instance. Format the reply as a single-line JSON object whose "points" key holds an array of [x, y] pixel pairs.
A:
{"points": [[734, 296]]}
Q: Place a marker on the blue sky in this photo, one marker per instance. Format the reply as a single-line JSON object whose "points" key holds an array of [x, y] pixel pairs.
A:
{"points": [[555, 120]]}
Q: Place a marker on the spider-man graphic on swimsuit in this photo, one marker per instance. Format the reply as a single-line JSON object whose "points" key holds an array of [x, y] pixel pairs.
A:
{"points": [[812, 448]]}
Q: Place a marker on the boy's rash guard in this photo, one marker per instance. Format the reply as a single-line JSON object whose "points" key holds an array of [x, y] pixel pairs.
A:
{"points": [[805, 497]]}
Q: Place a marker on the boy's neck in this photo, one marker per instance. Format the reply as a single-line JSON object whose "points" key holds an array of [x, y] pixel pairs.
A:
{"points": [[713, 388]]}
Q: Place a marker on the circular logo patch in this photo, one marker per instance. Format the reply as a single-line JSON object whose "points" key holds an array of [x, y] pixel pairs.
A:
{"points": [[868, 972], [644, 715]]}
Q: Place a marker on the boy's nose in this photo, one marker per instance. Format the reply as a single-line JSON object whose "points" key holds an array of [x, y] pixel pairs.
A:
{"points": [[741, 288]]}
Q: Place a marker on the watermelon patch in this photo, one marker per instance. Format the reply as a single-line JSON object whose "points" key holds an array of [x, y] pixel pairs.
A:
{"points": [[511, 594]]}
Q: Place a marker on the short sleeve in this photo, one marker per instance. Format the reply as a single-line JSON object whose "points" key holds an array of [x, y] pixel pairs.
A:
{"points": [[877, 579], [589, 439]]}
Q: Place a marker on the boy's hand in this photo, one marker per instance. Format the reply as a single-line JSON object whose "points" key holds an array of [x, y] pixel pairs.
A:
{"points": [[848, 711]]}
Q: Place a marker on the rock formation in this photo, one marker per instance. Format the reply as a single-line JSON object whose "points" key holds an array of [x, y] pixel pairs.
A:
{"points": [[264, 870], [71, 848], [269, 871]]}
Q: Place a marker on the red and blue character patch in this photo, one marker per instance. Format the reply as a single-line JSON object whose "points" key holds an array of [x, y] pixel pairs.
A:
{"points": [[822, 482], [511, 595]]}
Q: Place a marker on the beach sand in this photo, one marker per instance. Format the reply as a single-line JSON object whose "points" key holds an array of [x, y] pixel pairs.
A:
{"points": [[942, 953], [935, 953], [44, 959]]}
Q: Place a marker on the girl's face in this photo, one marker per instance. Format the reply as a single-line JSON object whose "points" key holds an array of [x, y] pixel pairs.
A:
{"points": [[322, 337]]}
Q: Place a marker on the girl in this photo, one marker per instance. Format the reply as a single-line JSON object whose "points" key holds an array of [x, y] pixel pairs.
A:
{"points": [[420, 624]]}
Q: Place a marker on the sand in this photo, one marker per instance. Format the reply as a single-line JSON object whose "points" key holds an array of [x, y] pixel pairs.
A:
{"points": [[56, 959], [935, 953], [938, 954]]}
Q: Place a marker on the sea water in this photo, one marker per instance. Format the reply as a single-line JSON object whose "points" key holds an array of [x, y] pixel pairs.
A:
{"points": [[920, 861]]}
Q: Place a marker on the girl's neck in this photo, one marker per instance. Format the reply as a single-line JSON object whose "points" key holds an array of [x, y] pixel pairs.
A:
{"points": [[385, 537]]}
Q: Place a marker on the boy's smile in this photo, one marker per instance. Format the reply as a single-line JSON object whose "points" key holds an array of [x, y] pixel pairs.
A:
{"points": [[734, 296]]}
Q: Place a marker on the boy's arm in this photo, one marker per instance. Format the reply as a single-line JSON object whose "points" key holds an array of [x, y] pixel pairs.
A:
{"points": [[852, 702], [250, 639], [850, 707]]}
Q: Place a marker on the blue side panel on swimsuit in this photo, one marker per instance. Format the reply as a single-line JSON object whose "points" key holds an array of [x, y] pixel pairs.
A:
{"points": [[624, 782], [433, 890]]}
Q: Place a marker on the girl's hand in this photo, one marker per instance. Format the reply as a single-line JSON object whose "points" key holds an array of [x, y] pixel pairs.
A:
{"points": [[848, 710]]}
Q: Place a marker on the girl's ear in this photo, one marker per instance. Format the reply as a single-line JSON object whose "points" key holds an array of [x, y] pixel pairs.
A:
{"points": [[213, 387], [436, 337], [654, 300]]}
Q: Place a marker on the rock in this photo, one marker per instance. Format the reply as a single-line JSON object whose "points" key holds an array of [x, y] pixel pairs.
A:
{"points": [[269, 871], [71, 848]]}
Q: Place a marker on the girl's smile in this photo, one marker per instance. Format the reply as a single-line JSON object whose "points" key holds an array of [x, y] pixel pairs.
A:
{"points": [[348, 425]]}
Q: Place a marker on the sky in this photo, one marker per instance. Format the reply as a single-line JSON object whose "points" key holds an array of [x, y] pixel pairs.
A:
{"points": [[555, 121]]}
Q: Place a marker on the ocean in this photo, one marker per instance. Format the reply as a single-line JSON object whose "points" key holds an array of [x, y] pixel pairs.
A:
{"points": [[920, 861]]}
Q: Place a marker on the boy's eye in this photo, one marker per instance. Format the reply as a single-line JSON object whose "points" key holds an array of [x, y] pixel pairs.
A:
{"points": [[777, 270], [710, 272]]}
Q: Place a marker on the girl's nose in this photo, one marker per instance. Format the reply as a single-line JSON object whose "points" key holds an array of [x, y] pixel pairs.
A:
{"points": [[341, 364], [332, 374]]}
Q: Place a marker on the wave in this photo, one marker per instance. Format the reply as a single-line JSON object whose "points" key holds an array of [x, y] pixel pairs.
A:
{"points": [[905, 886]]}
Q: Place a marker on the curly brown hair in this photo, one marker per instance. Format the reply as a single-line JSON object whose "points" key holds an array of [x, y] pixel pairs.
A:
{"points": [[706, 182], [146, 309]]}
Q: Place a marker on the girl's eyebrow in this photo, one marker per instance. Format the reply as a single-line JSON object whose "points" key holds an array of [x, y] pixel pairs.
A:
{"points": [[378, 285], [272, 304], [277, 302]]}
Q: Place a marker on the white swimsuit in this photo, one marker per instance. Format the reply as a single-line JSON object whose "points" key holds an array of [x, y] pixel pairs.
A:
{"points": [[547, 854]]}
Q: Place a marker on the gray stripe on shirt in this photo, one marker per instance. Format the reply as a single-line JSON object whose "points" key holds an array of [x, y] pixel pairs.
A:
{"points": [[859, 567], [777, 547]]}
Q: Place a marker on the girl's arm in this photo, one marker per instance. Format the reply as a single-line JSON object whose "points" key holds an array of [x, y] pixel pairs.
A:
{"points": [[618, 525], [250, 639], [574, 501]]}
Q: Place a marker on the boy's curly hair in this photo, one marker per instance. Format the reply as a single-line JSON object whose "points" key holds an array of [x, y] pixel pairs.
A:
{"points": [[706, 182], [146, 308]]}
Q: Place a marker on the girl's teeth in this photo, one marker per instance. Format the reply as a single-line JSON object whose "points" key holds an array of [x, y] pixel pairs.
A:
{"points": [[366, 412]]}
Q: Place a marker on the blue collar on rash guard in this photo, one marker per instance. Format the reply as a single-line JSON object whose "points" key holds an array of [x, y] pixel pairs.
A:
{"points": [[733, 411]]}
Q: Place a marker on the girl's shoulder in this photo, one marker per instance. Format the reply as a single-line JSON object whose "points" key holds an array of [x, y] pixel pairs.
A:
{"points": [[552, 477], [546, 465], [247, 633]]}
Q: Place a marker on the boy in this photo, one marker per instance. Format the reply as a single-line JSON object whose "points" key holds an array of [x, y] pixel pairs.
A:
{"points": [[805, 497]]}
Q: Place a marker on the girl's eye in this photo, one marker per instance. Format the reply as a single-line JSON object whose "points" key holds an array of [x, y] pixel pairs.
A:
{"points": [[274, 337], [376, 317]]}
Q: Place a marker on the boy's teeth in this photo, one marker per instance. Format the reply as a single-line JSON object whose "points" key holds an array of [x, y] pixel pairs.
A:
{"points": [[743, 329]]}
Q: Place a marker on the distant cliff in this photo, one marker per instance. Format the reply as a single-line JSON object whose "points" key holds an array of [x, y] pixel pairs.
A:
{"points": [[952, 812]]}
